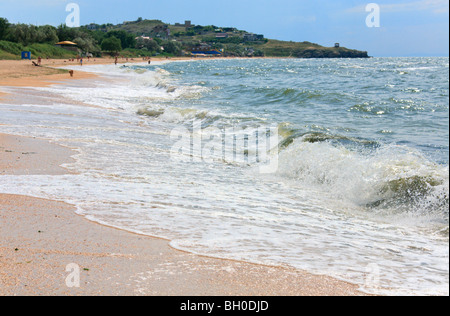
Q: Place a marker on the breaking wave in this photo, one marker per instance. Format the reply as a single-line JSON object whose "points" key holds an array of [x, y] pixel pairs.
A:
{"points": [[387, 179]]}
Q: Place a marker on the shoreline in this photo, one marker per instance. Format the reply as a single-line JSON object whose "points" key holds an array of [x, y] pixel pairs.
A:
{"points": [[49, 235], [22, 73]]}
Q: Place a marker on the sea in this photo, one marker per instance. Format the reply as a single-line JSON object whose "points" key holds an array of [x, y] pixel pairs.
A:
{"points": [[337, 167]]}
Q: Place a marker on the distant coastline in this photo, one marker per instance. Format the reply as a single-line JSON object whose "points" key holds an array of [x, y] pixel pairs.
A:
{"points": [[152, 38]]}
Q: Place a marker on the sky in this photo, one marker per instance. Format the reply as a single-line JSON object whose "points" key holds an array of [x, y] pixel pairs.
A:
{"points": [[406, 27]]}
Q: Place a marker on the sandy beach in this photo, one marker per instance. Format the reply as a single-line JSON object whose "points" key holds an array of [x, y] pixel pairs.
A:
{"points": [[22, 73], [40, 238]]}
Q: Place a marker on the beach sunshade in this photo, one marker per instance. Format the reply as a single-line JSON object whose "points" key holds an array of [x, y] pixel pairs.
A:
{"points": [[66, 43]]}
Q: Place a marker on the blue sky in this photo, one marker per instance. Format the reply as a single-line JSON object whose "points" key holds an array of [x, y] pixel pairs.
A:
{"points": [[407, 27]]}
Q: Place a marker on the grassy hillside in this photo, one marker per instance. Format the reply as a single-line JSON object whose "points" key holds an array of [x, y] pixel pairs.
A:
{"points": [[277, 48], [138, 27], [9, 50], [235, 45]]}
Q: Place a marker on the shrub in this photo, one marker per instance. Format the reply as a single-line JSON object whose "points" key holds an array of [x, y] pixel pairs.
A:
{"points": [[112, 45]]}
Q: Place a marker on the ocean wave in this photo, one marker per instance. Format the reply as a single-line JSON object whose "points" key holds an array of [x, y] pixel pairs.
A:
{"points": [[289, 137], [425, 195], [390, 179], [289, 95], [172, 114], [393, 106]]}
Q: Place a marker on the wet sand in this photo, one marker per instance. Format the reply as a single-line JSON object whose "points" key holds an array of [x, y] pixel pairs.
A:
{"points": [[40, 239], [25, 156]]}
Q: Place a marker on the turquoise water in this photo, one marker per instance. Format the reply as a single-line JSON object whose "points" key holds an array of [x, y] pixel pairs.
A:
{"points": [[386, 111], [401, 101], [361, 187]]}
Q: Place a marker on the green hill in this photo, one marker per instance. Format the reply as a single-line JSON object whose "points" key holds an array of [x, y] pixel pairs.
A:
{"points": [[307, 50], [233, 41], [154, 37]]}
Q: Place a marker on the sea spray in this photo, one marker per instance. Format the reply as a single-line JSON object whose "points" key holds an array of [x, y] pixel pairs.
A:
{"points": [[393, 178]]}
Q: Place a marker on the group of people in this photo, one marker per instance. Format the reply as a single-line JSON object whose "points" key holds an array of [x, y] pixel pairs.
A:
{"points": [[116, 60], [80, 60]]}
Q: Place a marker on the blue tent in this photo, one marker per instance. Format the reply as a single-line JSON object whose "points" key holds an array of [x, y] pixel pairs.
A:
{"points": [[26, 55]]}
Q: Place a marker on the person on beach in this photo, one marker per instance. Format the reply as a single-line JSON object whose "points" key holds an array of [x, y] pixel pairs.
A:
{"points": [[81, 61], [39, 61], [116, 61]]}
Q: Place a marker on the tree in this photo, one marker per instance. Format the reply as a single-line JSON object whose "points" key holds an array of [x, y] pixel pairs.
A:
{"points": [[23, 34], [47, 34], [66, 33], [258, 53], [111, 45], [172, 48], [148, 44], [4, 25], [97, 35], [87, 44], [127, 40]]}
